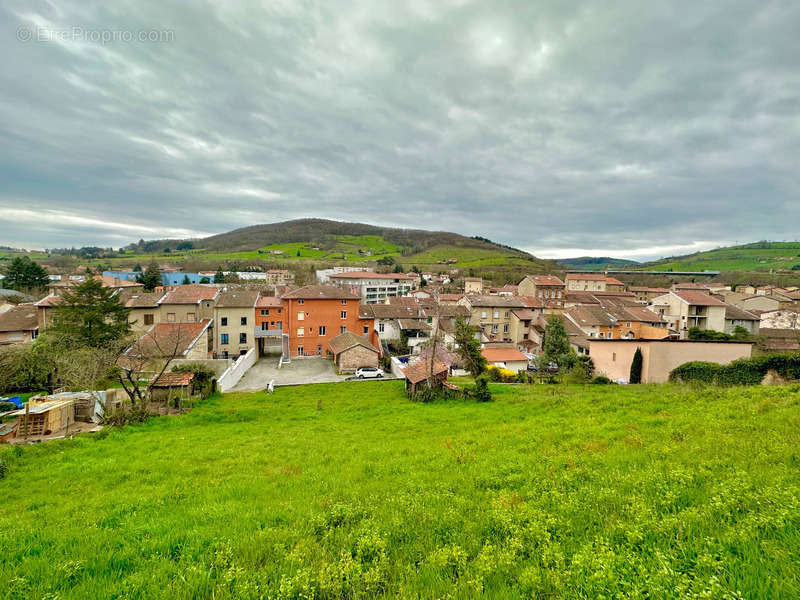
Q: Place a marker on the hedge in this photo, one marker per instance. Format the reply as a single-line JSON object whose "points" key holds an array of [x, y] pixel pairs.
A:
{"points": [[745, 371]]}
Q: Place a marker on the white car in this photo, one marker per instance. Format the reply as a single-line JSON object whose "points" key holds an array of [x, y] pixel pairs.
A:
{"points": [[369, 372]]}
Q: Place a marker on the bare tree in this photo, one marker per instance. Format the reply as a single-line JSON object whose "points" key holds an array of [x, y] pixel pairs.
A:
{"points": [[152, 354]]}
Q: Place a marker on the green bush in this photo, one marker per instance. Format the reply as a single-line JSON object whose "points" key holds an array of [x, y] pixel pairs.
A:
{"points": [[745, 371], [6, 406], [601, 380], [481, 390]]}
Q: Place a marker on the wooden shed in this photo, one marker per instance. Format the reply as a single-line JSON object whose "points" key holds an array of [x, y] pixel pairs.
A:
{"points": [[172, 385], [417, 374]]}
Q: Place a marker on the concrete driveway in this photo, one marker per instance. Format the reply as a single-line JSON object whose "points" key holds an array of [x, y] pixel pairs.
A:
{"points": [[300, 370]]}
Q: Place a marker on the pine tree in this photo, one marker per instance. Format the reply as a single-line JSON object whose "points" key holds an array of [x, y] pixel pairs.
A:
{"points": [[636, 367], [25, 274], [151, 278], [219, 276], [556, 343], [90, 315], [186, 280]]}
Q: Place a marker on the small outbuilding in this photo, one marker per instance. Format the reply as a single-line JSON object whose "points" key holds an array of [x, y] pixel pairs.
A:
{"points": [[44, 417], [418, 373], [352, 351], [172, 385]]}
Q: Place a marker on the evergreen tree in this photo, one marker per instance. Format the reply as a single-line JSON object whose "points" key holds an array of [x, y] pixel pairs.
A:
{"points": [[469, 347], [90, 315], [25, 274], [636, 367], [555, 347], [219, 276], [186, 280], [151, 278]]}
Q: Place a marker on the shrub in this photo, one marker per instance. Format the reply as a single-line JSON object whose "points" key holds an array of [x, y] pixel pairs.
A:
{"points": [[500, 375], [6, 406], [601, 380], [481, 390], [745, 371]]}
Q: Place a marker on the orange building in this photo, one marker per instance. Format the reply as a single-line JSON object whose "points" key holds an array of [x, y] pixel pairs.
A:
{"points": [[305, 319]]}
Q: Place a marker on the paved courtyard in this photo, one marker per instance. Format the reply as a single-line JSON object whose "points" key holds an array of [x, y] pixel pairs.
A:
{"points": [[300, 370]]}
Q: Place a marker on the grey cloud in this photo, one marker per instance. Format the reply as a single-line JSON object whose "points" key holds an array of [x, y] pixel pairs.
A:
{"points": [[543, 125]]}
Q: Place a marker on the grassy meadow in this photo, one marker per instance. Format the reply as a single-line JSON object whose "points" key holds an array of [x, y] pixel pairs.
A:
{"points": [[750, 257], [349, 490]]}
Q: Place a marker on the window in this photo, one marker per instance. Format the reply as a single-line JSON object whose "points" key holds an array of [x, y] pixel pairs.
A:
{"points": [[380, 327], [366, 330], [244, 321], [494, 328], [300, 351], [301, 301], [319, 350], [343, 328], [508, 314], [540, 293], [224, 354], [614, 356], [483, 314], [264, 312], [322, 330], [343, 314], [496, 314], [223, 339], [170, 317], [628, 324], [301, 315], [242, 338], [344, 302], [148, 319], [301, 331], [505, 328], [223, 322], [190, 317], [559, 294]]}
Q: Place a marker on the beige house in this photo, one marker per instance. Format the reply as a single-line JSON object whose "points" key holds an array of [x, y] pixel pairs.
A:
{"points": [[645, 294], [505, 358], [145, 310], [683, 310], [613, 358], [187, 304], [586, 282], [492, 315], [473, 285], [547, 288], [234, 321], [759, 302], [19, 324]]}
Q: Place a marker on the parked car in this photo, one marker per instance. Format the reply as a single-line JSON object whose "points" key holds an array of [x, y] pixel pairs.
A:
{"points": [[369, 372]]}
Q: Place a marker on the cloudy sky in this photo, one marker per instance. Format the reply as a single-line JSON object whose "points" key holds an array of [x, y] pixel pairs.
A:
{"points": [[626, 128]]}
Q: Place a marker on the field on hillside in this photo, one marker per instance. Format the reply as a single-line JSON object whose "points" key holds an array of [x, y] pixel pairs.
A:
{"points": [[751, 257], [548, 492]]}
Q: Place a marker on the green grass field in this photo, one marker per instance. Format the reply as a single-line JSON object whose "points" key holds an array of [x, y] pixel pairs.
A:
{"points": [[548, 492], [750, 257]]}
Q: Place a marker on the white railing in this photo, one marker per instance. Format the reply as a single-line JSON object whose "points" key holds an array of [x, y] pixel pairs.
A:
{"points": [[234, 373]]}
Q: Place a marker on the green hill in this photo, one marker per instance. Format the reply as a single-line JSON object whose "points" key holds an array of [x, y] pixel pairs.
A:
{"points": [[333, 241], [595, 263], [758, 256], [351, 491]]}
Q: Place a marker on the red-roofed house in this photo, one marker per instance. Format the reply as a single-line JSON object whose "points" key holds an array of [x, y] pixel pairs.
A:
{"points": [[690, 308], [548, 288], [507, 358]]}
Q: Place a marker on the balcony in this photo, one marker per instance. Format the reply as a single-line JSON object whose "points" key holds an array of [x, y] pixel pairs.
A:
{"points": [[265, 333]]}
